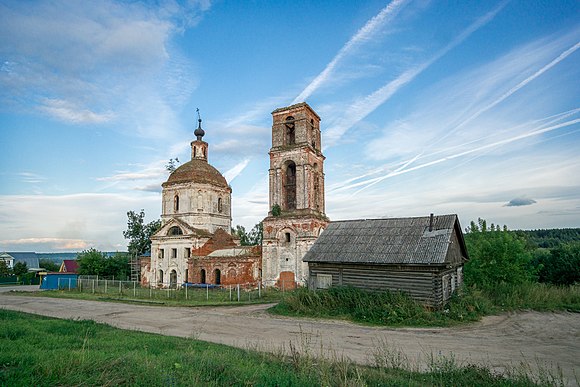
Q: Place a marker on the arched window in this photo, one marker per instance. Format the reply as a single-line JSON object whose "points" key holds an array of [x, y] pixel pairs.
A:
{"points": [[194, 151], [220, 209], [173, 279], [290, 131], [217, 276], [202, 276], [176, 203], [160, 277], [290, 186], [174, 231]]}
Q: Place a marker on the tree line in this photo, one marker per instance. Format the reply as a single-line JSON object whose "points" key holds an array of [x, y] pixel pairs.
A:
{"points": [[498, 255]]}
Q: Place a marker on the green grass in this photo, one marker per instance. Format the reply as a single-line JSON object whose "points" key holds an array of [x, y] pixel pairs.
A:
{"points": [[397, 309], [40, 351], [171, 297]]}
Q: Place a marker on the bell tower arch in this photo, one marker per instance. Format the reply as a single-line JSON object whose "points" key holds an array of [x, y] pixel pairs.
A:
{"points": [[296, 187]]}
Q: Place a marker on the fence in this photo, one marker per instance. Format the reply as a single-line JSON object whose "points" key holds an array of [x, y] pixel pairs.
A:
{"points": [[202, 293]]}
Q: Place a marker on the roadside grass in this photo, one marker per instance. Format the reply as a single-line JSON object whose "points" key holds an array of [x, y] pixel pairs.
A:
{"points": [[171, 297], [397, 309], [43, 351]]}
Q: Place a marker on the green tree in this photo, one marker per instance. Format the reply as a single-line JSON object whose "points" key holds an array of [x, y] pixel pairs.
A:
{"points": [[49, 265], [562, 265], [252, 238], [4, 269], [496, 256], [139, 233], [117, 266], [20, 268], [92, 262]]}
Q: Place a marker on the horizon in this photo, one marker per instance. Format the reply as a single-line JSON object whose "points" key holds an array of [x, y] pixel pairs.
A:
{"points": [[468, 109]]}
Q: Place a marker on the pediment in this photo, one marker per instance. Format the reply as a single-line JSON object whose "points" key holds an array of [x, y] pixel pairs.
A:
{"points": [[186, 230]]}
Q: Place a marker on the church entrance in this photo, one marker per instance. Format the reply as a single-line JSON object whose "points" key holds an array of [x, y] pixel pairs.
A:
{"points": [[173, 279], [287, 280]]}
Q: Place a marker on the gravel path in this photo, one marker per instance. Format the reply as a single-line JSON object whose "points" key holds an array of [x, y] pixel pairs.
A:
{"points": [[539, 339]]}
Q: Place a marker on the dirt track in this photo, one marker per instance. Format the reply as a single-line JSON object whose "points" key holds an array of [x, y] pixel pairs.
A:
{"points": [[549, 339]]}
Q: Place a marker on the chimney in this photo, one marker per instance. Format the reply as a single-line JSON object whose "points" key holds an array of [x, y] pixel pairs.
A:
{"points": [[431, 223]]}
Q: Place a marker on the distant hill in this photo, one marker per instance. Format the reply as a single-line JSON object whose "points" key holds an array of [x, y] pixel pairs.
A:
{"points": [[59, 257]]}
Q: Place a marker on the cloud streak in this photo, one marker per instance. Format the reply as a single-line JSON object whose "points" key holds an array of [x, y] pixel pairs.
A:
{"points": [[372, 27], [364, 106]]}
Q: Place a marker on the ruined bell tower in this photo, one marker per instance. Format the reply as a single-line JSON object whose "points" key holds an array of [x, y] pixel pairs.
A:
{"points": [[296, 214]]}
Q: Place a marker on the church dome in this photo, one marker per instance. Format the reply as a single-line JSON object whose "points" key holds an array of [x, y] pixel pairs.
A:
{"points": [[196, 171]]}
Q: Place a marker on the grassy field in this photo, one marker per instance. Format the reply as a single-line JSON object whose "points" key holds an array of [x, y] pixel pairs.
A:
{"points": [[169, 297], [40, 351], [396, 309]]}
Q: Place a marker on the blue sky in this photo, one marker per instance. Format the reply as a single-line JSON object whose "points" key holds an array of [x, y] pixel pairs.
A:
{"points": [[427, 106]]}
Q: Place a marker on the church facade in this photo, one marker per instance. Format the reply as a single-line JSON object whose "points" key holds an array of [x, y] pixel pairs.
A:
{"points": [[195, 242]]}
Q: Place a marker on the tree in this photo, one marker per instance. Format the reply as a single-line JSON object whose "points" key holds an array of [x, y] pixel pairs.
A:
{"points": [[20, 268], [171, 166], [49, 265], [4, 269], [252, 238], [138, 233], [496, 256], [561, 266], [91, 262]]}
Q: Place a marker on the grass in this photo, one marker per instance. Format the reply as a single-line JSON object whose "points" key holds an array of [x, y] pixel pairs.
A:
{"points": [[169, 297], [44, 351], [397, 309]]}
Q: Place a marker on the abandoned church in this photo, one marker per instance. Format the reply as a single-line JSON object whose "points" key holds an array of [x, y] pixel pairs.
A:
{"points": [[422, 256]]}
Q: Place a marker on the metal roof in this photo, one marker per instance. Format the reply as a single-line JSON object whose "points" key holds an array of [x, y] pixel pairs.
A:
{"points": [[405, 241]]}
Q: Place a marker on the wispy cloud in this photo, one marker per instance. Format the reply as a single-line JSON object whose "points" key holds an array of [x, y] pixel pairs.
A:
{"points": [[233, 172], [68, 112], [31, 178], [372, 27], [364, 106]]}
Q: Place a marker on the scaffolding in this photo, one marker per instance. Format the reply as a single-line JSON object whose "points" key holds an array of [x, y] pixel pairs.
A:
{"points": [[135, 264]]}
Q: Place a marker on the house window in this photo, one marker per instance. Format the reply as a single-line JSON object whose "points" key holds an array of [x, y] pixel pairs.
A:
{"points": [[220, 209], [161, 253], [187, 252], [160, 276], [287, 237], [173, 253], [323, 281]]}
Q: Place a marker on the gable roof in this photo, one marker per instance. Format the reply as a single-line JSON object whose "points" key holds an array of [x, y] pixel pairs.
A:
{"points": [[69, 266], [406, 241], [29, 258]]}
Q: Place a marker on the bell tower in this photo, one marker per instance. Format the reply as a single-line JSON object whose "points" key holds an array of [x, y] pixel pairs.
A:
{"points": [[296, 214]]}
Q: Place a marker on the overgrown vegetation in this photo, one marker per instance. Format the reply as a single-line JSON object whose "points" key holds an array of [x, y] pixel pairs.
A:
{"points": [[252, 238], [94, 262], [40, 351]]}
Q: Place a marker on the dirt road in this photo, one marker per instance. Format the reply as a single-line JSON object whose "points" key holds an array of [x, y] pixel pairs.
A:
{"points": [[547, 339]]}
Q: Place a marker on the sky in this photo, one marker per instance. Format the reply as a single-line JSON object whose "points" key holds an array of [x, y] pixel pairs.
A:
{"points": [[427, 107]]}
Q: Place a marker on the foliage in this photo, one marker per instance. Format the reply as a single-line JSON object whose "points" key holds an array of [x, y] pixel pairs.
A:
{"points": [[49, 265], [559, 266], [20, 268], [276, 210], [4, 269], [171, 166], [550, 238], [138, 233], [94, 262], [396, 309], [252, 238], [73, 353], [496, 256]]}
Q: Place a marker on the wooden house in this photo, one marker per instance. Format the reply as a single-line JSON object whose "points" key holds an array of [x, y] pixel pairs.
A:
{"points": [[420, 256]]}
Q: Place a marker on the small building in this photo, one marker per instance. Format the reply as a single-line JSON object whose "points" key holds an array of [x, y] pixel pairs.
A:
{"points": [[54, 281], [421, 256], [69, 266]]}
